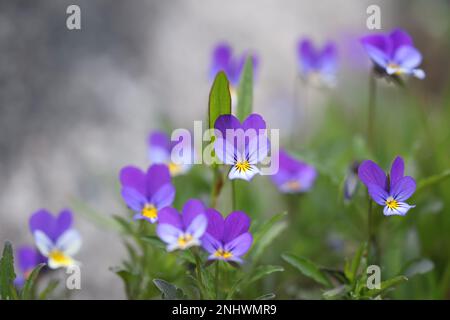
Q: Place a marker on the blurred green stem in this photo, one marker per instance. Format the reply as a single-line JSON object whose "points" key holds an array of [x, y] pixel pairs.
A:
{"points": [[233, 194], [371, 112], [372, 247], [198, 264], [216, 279], [217, 186]]}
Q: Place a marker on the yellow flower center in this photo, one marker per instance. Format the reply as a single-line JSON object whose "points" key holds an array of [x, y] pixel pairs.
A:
{"points": [[60, 258], [242, 166], [184, 240], [293, 185], [174, 168], [223, 254], [150, 211], [395, 67], [391, 203]]}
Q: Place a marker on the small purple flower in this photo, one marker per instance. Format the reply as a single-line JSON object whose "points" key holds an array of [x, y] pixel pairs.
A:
{"points": [[55, 238], [317, 66], [242, 146], [27, 259], [227, 239], [390, 191], [185, 230], [293, 176], [147, 193], [394, 53], [223, 60]]}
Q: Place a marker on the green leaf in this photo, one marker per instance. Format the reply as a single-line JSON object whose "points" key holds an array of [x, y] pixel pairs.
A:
{"points": [[219, 98], [351, 269], [267, 296], [29, 286], [7, 274], [262, 271], [245, 91], [308, 268], [168, 290], [430, 181], [335, 293], [154, 241], [267, 233], [49, 289], [384, 286]]}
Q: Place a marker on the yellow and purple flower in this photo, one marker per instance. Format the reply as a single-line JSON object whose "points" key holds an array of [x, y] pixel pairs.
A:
{"points": [[390, 191], [242, 146], [394, 53], [160, 152], [146, 193], [227, 239], [185, 230], [232, 66], [55, 238], [27, 259], [317, 66], [293, 176]]}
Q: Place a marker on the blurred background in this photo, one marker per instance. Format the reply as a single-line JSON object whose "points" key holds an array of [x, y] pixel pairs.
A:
{"points": [[76, 106]]}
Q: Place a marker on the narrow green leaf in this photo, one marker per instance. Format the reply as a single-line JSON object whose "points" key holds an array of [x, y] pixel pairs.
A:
{"points": [[308, 268], [267, 296], [430, 181], [7, 274], [168, 290], [49, 289], [267, 232], [385, 285], [28, 287], [219, 98], [245, 91], [154, 241], [352, 271]]}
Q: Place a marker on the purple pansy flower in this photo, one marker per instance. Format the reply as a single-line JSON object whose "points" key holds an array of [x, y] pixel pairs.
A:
{"points": [[293, 176], [160, 152], [390, 191], [146, 193], [394, 53], [232, 66], [317, 66], [27, 259], [55, 238], [242, 146], [185, 230], [227, 239]]}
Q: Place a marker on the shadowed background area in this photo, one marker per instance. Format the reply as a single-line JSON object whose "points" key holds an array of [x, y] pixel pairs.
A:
{"points": [[76, 106]]}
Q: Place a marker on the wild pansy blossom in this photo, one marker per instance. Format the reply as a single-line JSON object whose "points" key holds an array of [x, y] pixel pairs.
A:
{"points": [[317, 66], [390, 191], [242, 146], [27, 259], [394, 53], [160, 152], [293, 176], [55, 238], [185, 230], [146, 193], [232, 66], [227, 239]]}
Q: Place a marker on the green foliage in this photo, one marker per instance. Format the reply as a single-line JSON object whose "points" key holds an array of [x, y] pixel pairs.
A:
{"points": [[168, 290], [245, 92], [308, 268], [219, 98], [29, 288], [7, 274]]}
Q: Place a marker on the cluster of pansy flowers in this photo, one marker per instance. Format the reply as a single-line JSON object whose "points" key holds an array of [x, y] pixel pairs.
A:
{"points": [[56, 242]]}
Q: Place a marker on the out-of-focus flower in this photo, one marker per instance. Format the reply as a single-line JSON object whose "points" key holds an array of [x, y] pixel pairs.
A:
{"points": [[27, 259], [146, 193], [160, 152], [293, 176], [394, 53], [232, 66], [185, 230], [242, 146], [317, 67], [55, 238], [351, 181], [390, 191], [227, 239]]}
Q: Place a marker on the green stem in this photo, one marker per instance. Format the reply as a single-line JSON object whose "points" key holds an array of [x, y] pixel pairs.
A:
{"points": [[216, 279], [198, 264], [217, 187], [233, 194], [372, 244], [371, 112]]}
